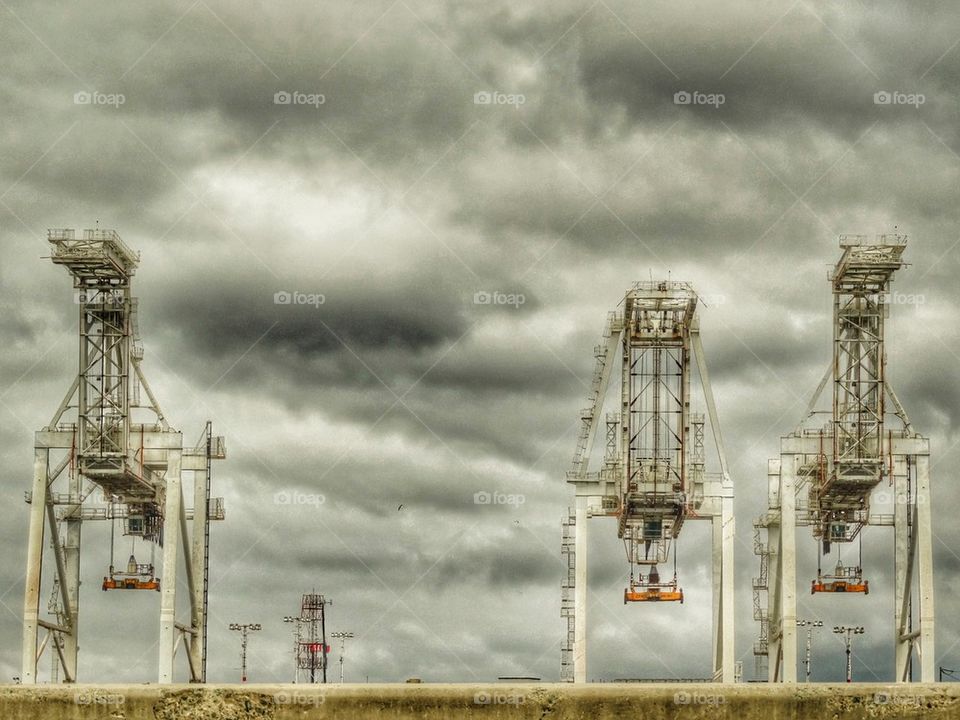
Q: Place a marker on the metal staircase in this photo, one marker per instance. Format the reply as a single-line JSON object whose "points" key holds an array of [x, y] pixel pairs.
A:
{"points": [[760, 587], [601, 354]]}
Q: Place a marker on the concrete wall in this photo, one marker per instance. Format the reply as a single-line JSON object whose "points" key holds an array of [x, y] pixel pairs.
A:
{"points": [[494, 701]]}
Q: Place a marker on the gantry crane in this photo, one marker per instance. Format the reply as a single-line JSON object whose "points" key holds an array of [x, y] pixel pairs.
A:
{"points": [[652, 479], [829, 470], [103, 438]]}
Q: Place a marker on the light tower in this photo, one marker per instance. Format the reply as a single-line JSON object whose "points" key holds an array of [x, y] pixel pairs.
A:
{"points": [[809, 625], [342, 637], [829, 468], [297, 639], [244, 629], [849, 632], [103, 437], [653, 477]]}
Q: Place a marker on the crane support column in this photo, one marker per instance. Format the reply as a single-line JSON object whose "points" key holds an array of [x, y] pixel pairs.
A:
{"points": [[723, 527], [198, 556], [31, 602], [580, 594], [71, 581], [788, 569], [924, 530], [903, 554], [171, 541]]}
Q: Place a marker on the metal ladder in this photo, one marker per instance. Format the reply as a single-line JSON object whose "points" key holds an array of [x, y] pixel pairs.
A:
{"points": [[568, 548]]}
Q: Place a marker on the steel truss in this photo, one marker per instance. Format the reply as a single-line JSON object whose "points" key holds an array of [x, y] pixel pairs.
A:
{"points": [[652, 479], [311, 651], [95, 442]]}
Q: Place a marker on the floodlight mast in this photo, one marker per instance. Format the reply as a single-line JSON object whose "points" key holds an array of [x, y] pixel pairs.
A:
{"points": [[297, 638], [244, 629], [809, 625], [849, 632], [342, 637]]}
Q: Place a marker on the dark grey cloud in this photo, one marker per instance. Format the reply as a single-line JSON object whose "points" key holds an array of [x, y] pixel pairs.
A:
{"points": [[374, 318]]}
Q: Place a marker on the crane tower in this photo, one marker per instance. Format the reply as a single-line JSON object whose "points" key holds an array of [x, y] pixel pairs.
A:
{"points": [[103, 438], [829, 471], [653, 476]]}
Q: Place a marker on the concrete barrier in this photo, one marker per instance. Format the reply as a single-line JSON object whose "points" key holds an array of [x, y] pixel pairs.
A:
{"points": [[606, 701]]}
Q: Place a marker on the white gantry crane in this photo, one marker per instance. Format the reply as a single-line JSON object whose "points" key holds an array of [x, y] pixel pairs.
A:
{"points": [[104, 440], [652, 477], [829, 470]]}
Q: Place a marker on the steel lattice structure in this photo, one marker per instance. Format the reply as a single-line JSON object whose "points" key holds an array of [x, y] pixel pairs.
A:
{"points": [[311, 654], [94, 441], [653, 475], [827, 473]]}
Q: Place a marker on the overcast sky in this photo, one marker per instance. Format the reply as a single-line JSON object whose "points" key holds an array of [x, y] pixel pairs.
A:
{"points": [[390, 187]]}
